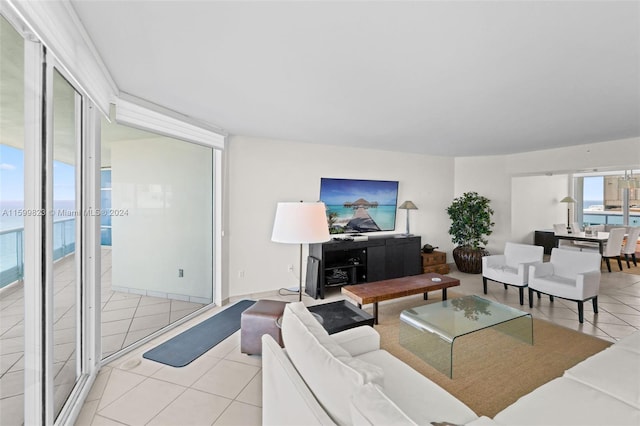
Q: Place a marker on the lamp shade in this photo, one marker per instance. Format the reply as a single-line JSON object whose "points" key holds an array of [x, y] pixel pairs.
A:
{"points": [[408, 205], [299, 223], [567, 200]]}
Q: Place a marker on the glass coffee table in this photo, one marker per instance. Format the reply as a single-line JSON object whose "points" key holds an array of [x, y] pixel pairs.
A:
{"points": [[430, 331]]}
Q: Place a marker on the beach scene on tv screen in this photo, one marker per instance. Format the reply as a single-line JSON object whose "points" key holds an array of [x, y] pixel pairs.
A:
{"points": [[355, 205]]}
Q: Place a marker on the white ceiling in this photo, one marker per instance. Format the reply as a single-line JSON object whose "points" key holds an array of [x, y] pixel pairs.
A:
{"points": [[452, 78]]}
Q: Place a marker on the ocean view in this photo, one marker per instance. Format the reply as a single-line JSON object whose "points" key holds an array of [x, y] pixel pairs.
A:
{"points": [[587, 203], [11, 219]]}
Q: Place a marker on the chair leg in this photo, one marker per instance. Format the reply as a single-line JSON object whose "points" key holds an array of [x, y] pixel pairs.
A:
{"points": [[594, 301], [626, 257], [521, 295], [606, 259], [531, 298], [550, 298], [580, 311], [538, 294], [505, 287], [484, 284], [619, 262], [635, 261]]}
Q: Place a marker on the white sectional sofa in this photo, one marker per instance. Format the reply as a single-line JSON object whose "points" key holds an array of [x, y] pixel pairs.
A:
{"points": [[345, 378]]}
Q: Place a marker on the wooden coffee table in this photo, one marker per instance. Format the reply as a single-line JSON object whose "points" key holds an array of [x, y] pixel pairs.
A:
{"points": [[378, 291]]}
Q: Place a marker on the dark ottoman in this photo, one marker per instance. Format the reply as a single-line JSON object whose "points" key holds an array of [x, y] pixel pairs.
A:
{"points": [[261, 318]]}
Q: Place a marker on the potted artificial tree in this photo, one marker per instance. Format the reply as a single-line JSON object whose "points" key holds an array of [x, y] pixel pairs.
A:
{"points": [[470, 216]]}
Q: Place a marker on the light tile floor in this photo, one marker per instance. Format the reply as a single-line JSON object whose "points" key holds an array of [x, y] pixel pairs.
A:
{"points": [[126, 318], [223, 387]]}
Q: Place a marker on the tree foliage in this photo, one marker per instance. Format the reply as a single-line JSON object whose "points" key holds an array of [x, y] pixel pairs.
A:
{"points": [[470, 216]]}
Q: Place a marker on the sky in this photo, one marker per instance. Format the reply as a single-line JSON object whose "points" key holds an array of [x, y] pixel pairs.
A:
{"points": [[594, 188], [12, 176]]}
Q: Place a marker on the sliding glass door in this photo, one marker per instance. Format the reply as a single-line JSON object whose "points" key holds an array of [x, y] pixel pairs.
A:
{"points": [[12, 302], [157, 245], [159, 226], [66, 226]]}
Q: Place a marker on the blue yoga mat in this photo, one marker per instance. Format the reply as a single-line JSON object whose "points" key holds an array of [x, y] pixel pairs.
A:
{"points": [[190, 344]]}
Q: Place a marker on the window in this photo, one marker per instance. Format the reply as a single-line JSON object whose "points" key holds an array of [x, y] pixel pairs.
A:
{"points": [[611, 198]]}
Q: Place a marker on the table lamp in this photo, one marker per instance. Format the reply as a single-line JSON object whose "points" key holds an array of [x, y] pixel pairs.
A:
{"points": [[300, 223], [569, 201], [408, 205]]}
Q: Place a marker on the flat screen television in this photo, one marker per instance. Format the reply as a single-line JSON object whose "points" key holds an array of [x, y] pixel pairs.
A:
{"points": [[359, 205]]}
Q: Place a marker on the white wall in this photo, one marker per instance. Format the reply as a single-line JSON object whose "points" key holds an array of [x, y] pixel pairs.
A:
{"points": [[262, 172], [492, 177], [535, 204], [166, 187]]}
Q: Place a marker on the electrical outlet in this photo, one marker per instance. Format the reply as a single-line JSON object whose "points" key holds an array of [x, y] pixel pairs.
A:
{"points": [[289, 268], [180, 273], [240, 274]]}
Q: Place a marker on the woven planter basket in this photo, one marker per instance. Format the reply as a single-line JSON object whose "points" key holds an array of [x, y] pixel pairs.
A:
{"points": [[468, 259]]}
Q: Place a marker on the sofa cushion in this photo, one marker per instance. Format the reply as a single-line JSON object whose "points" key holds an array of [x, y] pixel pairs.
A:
{"points": [[614, 371], [556, 285], [358, 340], [327, 369], [422, 400], [370, 406], [565, 402], [483, 421], [515, 254], [503, 274], [370, 373], [569, 263], [284, 383]]}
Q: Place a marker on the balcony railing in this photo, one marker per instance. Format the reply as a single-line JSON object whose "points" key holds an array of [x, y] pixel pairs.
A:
{"points": [[12, 254], [604, 217]]}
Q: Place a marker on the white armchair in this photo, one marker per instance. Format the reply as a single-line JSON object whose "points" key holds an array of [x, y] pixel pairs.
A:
{"points": [[571, 275], [512, 267]]}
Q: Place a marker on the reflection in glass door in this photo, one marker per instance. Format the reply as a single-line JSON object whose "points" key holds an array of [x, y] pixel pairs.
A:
{"points": [[157, 262], [12, 303], [66, 284]]}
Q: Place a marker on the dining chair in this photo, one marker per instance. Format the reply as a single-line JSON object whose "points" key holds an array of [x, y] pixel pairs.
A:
{"points": [[586, 244], [630, 247], [561, 228], [613, 247]]}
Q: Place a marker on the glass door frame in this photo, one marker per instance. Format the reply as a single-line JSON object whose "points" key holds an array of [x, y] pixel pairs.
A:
{"points": [[38, 275], [38, 63]]}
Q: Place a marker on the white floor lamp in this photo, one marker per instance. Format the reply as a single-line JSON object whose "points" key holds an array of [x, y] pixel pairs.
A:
{"points": [[300, 223]]}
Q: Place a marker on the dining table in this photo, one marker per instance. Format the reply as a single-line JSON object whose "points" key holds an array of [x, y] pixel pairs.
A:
{"points": [[599, 238]]}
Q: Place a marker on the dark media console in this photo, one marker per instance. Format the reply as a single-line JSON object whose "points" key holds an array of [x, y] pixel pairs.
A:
{"points": [[344, 262]]}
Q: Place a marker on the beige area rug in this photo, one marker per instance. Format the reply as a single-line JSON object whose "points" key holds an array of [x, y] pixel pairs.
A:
{"points": [[490, 369]]}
